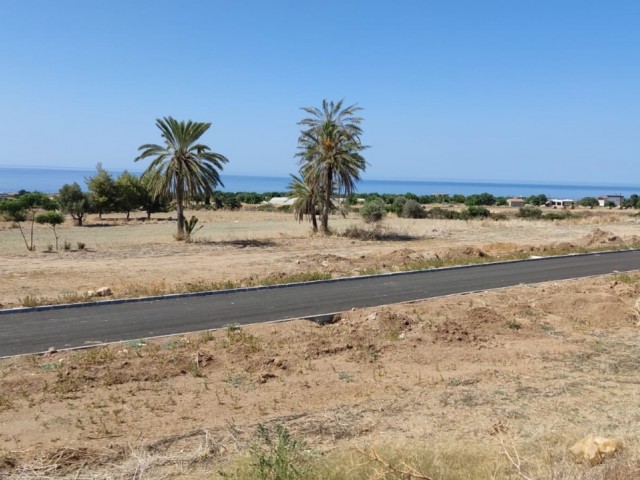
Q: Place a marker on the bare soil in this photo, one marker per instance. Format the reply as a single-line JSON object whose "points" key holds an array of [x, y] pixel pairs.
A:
{"points": [[138, 257], [551, 362]]}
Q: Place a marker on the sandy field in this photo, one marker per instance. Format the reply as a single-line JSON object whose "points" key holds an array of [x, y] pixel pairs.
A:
{"points": [[447, 387], [137, 258]]}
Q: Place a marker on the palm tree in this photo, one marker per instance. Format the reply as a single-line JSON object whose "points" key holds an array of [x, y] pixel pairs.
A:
{"points": [[330, 151], [181, 168], [306, 199]]}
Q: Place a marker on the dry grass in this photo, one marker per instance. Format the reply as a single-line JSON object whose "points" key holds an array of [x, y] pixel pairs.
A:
{"points": [[413, 388], [381, 393]]}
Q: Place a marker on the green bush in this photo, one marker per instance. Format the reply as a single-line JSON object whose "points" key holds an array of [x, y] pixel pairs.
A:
{"points": [[530, 212], [589, 202], [480, 199], [373, 210], [439, 213], [475, 211], [412, 209], [251, 198], [561, 215], [281, 458], [397, 205]]}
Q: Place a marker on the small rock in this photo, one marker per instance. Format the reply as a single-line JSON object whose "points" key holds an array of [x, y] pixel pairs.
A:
{"points": [[281, 363], [91, 293], [103, 292], [52, 350], [265, 377], [593, 450]]}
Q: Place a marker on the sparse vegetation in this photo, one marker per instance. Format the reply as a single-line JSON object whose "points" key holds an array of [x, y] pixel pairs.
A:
{"points": [[372, 373], [279, 458], [373, 210]]}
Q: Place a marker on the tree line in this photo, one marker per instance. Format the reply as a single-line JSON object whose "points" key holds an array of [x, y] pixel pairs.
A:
{"points": [[184, 170]]}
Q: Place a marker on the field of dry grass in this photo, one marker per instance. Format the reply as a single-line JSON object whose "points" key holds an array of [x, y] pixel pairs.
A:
{"points": [[443, 388], [244, 247]]}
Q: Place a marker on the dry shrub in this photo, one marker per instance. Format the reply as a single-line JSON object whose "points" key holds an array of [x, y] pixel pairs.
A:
{"points": [[377, 233]]}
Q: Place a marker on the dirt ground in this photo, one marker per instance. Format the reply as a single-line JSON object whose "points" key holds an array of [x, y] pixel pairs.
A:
{"points": [[143, 258], [549, 362]]}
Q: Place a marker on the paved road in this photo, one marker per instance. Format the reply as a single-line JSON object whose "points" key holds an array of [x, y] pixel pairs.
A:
{"points": [[36, 331]]}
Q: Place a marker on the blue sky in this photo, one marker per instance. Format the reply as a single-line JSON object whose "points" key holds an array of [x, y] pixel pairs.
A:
{"points": [[517, 90]]}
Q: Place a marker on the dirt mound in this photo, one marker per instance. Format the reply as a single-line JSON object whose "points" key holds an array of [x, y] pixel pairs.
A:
{"points": [[328, 260], [479, 324], [606, 309], [402, 254], [471, 252], [484, 317], [451, 331], [401, 257], [599, 236]]}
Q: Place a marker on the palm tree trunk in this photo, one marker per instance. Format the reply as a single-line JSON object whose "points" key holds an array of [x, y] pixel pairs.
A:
{"points": [[180, 207], [314, 221], [328, 184]]}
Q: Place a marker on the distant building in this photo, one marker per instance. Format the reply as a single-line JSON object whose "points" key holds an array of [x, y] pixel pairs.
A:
{"points": [[281, 201], [615, 199], [562, 203], [515, 202]]}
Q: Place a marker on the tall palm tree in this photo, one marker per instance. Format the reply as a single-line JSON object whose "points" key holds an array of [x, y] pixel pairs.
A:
{"points": [[330, 151], [182, 168], [306, 198]]}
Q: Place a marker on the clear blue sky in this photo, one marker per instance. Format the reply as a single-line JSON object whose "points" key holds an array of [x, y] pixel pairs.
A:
{"points": [[513, 90]]}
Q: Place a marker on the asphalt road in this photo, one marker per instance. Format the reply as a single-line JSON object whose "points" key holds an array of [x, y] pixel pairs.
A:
{"points": [[36, 331]]}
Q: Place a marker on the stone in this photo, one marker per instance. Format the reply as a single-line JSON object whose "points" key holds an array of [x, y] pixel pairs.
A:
{"points": [[593, 450], [103, 292]]}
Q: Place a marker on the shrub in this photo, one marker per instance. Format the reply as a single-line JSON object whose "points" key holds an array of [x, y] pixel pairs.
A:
{"points": [[562, 215], [529, 212], [373, 210], [190, 228], [589, 202], [439, 213], [397, 205], [412, 209], [375, 233], [475, 211], [280, 458], [536, 200], [251, 198]]}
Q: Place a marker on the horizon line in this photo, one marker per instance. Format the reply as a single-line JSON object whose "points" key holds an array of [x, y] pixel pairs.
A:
{"points": [[589, 183]]}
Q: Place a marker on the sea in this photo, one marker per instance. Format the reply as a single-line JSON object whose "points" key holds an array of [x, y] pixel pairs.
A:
{"points": [[49, 180]]}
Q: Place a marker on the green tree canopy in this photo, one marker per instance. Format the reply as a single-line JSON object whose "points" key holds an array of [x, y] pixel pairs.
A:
{"points": [[589, 202], [52, 219], [102, 190], [130, 193], [74, 202]]}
